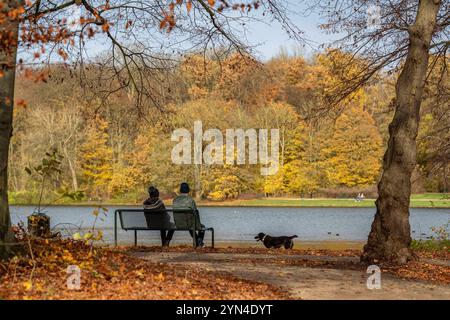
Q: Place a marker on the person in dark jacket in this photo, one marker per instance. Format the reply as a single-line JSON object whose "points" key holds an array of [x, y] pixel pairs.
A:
{"points": [[185, 201], [154, 203]]}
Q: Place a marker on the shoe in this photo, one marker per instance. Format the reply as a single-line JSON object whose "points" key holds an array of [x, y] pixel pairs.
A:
{"points": [[201, 245]]}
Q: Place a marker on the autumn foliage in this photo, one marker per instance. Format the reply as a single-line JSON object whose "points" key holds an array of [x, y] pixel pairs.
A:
{"points": [[119, 151], [40, 272]]}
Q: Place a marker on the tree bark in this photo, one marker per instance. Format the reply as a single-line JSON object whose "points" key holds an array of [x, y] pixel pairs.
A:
{"points": [[390, 238], [9, 28], [71, 168]]}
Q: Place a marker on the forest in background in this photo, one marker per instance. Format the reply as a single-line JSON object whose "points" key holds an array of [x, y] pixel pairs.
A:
{"points": [[113, 150]]}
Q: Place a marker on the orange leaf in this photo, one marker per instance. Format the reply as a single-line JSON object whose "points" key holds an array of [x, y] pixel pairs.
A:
{"points": [[162, 24], [105, 27], [189, 6], [21, 103], [160, 277]]}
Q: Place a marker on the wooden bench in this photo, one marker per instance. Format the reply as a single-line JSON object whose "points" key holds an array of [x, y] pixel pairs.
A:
{"points": [[136, 220]]}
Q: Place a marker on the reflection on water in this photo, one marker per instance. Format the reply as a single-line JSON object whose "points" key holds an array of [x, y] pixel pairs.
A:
{"points": [[323, 227]]}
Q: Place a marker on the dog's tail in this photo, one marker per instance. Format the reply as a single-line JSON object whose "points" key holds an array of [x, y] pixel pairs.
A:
{"points": [[294, 236]]}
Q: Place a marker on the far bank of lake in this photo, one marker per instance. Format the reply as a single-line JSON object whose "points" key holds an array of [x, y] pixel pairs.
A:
{"points": [[419, 201]]}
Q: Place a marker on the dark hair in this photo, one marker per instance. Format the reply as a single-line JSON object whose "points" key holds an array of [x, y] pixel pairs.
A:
{"points": [[153, 192], [184, 188]]}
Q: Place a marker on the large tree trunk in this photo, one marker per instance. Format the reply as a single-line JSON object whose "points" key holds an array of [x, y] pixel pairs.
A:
{"points": [[8, 29], [389, 239]]}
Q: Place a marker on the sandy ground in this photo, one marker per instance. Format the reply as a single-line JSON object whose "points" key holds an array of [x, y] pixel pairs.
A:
{"points": [[305, 282]]}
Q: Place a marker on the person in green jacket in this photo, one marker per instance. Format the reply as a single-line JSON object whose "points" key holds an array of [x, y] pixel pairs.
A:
{"points": [[185, 201]]}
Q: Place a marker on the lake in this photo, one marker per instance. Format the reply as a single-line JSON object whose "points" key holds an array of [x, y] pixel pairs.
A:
{"points": [[239, 225]]}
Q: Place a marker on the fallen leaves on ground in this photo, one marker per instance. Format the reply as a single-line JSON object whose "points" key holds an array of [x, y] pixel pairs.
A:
{"points": [[414, 270], [420, 269], [249, 250], [434, 254], [110, 274]]}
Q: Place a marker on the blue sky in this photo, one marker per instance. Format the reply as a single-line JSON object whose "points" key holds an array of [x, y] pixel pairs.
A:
{"points": [[271, 37], [268, 37]]}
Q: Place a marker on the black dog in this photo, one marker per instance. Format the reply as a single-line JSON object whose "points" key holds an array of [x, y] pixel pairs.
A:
{"points": [[276, 242]]}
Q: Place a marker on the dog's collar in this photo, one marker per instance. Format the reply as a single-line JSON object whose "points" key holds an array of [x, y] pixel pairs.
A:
{"points": [[264, 237]]}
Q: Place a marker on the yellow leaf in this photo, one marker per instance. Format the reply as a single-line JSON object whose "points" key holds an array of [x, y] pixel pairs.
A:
{"points": [[76, 236], [99, 235], [160, 277], [139, 273], [88, 236], [28, 285]]}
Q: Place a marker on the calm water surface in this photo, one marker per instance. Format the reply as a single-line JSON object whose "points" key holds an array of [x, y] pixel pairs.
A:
{"points": [[240, 224]]}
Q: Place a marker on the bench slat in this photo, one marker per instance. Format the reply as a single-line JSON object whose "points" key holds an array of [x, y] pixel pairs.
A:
{"points": [[154, 220]]}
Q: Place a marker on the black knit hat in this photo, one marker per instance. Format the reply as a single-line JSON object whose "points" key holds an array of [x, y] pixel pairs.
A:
{"points": [[184, 188], [153, 192]]}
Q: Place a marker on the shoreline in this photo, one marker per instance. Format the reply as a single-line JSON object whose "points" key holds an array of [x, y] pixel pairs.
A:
{"points": [[241, 204], [417, 200], [338, 245]]}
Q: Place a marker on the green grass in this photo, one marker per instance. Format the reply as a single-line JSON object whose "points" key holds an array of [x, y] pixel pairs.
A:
{"points": [[427, 200], [280, 202], [431, 196], [431, 245], [290, 202]]}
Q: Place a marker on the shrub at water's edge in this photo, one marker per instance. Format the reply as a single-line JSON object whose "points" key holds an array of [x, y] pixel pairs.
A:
{"points": [[440, 240]]}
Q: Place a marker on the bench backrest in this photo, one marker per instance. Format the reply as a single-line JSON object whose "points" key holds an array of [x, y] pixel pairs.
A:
{"points": [[140, 219], [157, 219], [185, 219]]}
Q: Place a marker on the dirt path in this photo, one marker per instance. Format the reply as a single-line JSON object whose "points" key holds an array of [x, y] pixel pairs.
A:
{"points": [[305, 282]]}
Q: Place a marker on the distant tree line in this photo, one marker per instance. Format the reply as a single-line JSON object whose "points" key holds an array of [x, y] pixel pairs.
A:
{"points": [[113, 151]]}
